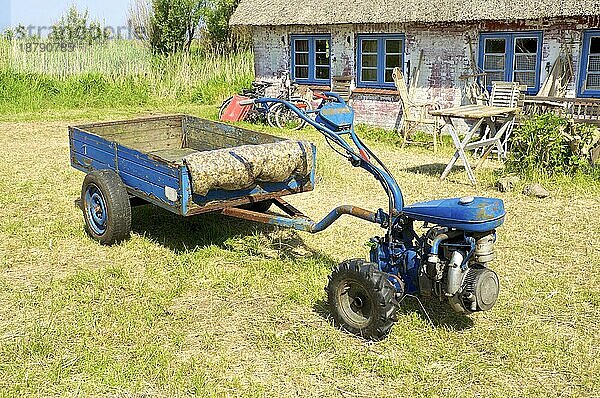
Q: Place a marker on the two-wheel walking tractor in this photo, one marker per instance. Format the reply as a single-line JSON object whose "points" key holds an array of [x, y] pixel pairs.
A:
{"points": [[191, 166]]}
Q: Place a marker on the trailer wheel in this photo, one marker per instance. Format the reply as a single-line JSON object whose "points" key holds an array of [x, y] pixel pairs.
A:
{"points": [[362, 299], [106, 207]]}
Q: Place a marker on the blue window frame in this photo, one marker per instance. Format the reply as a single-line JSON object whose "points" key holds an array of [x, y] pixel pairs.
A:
{"points": [[512, 57], [377, 56], [311, 59], [589, 72]]}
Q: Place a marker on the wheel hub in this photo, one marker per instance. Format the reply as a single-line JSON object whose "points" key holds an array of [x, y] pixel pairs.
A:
{"points": [[358, 302], [96, 209], [355, 304]]}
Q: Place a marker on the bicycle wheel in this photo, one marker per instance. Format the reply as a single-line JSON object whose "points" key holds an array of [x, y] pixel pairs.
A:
{"points": [[288, 119], [272, 115]]}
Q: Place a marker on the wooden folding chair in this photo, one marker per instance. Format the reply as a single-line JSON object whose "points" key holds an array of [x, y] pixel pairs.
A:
{"points": [[414, 113], [509, 95]]}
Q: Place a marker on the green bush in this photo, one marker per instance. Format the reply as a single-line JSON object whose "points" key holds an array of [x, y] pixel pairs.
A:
{"points": [[549, 145]]}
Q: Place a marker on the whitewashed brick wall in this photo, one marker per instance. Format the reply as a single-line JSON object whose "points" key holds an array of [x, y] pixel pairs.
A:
{"points": [[446, 57]]}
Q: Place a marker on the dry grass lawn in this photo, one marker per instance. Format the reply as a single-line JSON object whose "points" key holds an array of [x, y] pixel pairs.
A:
{"points": [[217, 307]]}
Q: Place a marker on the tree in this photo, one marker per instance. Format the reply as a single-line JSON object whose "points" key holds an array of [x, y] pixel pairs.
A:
{"points": [[216, 18], [75, 27], [173, 24], [169, 26]]}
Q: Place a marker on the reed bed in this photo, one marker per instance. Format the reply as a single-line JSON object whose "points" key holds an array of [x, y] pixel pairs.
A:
{"points": [[115, 73]]}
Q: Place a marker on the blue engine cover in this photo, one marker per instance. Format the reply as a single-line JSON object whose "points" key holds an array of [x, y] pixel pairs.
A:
{"points": [[469, 214], [336, 116]]}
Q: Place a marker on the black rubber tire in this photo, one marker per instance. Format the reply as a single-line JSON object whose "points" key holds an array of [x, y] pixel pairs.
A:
{"points": [[372, 312], [259, 207], [272, 115], [118, 207], [283, 112]]}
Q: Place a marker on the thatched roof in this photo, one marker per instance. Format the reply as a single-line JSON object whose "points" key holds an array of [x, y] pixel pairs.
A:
{"points": [[326, 12]]}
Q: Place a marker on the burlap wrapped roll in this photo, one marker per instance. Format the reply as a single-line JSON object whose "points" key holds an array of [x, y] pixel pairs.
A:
{"points": [[244, 166]]}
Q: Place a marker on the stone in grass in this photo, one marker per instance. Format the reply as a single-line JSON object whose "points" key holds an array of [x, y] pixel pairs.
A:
{"points": [[507, 183], [536, 190]]}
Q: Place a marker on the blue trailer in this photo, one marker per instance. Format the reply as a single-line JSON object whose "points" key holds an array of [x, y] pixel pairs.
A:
{"points": [[150, 161], [141, 161]]}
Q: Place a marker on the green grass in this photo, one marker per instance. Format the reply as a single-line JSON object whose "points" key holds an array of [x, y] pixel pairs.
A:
{"points": [[210, 306], [115, 75]]}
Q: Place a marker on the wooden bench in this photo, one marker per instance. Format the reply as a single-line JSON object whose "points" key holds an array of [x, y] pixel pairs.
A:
{"points": [[580, 110]]}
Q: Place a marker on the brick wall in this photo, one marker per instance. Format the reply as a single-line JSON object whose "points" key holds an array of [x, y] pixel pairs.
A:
{"points": [[446, 49]]}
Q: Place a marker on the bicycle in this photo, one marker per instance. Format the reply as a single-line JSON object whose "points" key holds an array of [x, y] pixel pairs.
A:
{"points": [[284, 117], [258, 113], [276, 115]]}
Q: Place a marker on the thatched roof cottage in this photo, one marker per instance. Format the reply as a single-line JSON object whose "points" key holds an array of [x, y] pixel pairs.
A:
{"points": [[442, 46]]}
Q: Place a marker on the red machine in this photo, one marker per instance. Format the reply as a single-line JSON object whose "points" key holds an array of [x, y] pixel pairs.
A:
{"points": [[234, 112]]}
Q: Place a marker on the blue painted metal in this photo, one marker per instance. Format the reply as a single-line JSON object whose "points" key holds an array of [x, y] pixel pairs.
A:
{"points": [[149, 177], [381, 59], [399, 260], [335, 116], [307, 225], [509, 63], [95, 206], [582, 91], [482, 214], [311, 39], [401, 253]]}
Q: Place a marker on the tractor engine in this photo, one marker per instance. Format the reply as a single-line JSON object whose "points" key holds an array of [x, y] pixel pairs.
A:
{"points": [[454, 268]]}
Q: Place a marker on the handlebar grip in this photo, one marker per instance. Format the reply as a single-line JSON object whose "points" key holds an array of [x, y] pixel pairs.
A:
{"points": [[247, 102]]}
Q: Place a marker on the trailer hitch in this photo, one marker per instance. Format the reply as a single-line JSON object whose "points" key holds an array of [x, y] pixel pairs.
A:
{"points": [[297, 220]]}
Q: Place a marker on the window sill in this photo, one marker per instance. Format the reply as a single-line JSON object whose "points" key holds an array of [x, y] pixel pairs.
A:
{"points": [[315, 87], [375, 91], [589, 94]]}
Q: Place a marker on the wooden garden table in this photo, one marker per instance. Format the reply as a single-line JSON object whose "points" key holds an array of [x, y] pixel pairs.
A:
{"points": [[484, 114]]}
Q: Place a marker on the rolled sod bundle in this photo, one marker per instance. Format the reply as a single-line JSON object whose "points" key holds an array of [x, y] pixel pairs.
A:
{"points": [[244, 166]]}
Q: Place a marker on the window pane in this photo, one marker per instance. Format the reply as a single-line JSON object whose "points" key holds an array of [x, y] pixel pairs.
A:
{"points": [[301, 72], [495, 46], [595, 45], [593, 82], [493, 62], [322, 72], [369, 46], [494, 77], [392, 61], [322, 59], [393, 46], [525, 62], [301, 45], [301, 59], [526, 45], [527, 78], [389, 78], [594, 63], [369, 75], [369, 61], [322, 46]]}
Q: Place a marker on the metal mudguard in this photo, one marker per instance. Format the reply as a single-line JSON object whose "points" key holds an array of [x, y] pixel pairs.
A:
{"points": [[469, 214]]}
